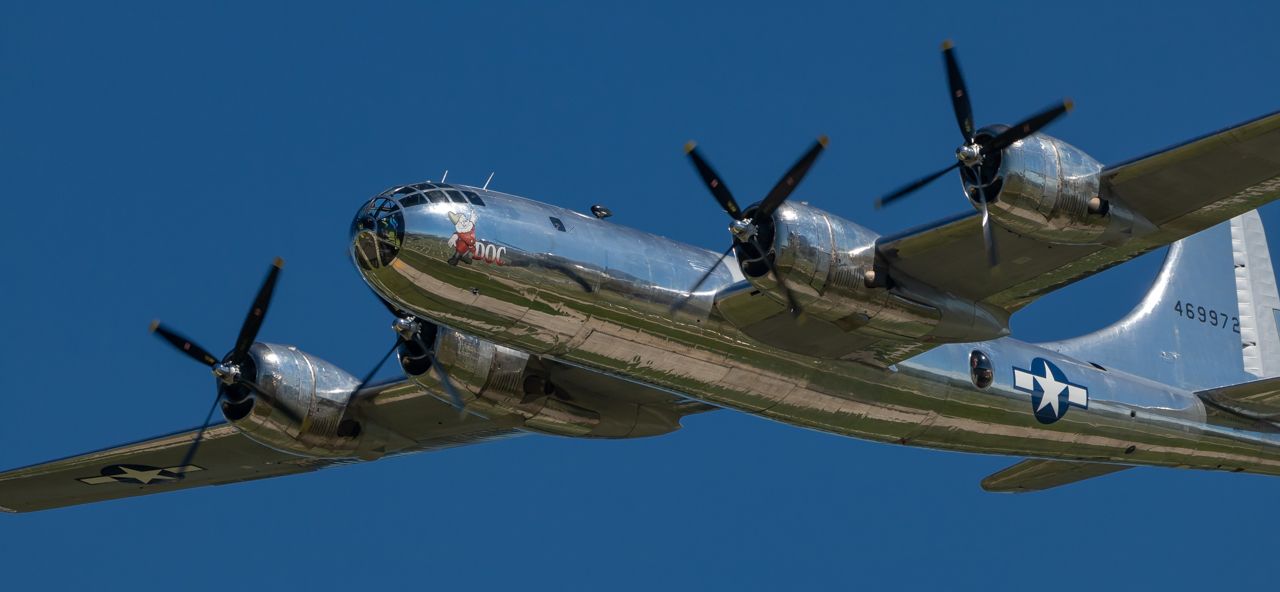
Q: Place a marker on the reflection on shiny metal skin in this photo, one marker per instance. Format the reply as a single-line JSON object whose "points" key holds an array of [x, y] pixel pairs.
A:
{"points": [[1048, 189], [827, 260], [577, 290], [499, 381], [300, 407], [377, 232]]}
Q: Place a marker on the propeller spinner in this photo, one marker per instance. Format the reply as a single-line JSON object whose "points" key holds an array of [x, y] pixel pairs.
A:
{"points": [[745, 229], [973, 153]]}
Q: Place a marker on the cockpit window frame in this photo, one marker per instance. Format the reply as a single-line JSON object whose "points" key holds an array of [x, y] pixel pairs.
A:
{"points": [[415, 199]]}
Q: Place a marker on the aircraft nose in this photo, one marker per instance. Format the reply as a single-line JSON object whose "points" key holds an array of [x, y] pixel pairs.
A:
{"points": [[377, 233]]}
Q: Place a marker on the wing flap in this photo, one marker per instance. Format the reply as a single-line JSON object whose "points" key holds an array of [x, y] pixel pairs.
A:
{"points": [[1039, 475]]}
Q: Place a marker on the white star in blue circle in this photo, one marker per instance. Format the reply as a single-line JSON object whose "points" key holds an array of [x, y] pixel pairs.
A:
{"points": [[1051, 393]]}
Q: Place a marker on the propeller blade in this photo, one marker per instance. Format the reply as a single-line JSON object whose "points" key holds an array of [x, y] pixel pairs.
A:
{"points": [[367, 377], [184, 345], [959, 94], [988, 239], [679, 304], [195, 444], [1027, 126], [253, 322], [913, 186], [788, 182], [446, 382], [709, 176], [988, 235], [786, 290]]}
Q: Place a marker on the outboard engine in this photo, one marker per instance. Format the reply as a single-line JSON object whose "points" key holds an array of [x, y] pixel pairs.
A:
{"points": [[1047, 189], [298, 405]]}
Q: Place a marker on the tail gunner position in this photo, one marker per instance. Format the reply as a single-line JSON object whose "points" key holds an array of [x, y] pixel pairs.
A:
{"points": [[512, 316]]}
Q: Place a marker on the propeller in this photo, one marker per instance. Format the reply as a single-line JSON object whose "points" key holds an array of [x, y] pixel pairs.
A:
{"points": [[744, 227], [231, 370], [973, 153], [409, 331]]}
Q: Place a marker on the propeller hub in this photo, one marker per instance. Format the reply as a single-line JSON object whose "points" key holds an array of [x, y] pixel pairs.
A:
{"points": [[743, 230], [228, 374], [406, 327], [970, 154]]}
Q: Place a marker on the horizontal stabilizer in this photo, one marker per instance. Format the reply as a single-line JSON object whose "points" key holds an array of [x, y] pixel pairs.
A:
{"points": [[1039, 475], [1259, 399]]}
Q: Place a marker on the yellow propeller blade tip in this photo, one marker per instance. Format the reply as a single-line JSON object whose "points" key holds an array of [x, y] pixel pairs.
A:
{"points": [[824, 140], [689, 146], [947, 44], [278, 263], [1069, 104], [154, 325]]}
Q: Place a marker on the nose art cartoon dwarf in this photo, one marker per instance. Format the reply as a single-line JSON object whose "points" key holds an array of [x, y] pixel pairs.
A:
{"points": [[463, 240]]}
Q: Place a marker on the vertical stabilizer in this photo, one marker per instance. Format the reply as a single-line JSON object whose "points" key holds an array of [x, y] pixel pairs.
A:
{"points": [[1209, 319]]}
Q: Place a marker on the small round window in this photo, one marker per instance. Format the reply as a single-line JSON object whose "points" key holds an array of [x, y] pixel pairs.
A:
{"points": [[980, 371]]}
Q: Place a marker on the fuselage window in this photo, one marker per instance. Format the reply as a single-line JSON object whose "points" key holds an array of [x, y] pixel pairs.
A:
{"points": [[980, 369], [403, 191], [557, 223], [437, 196], [413, 200], [425, 186], [473, 198], [455, 196]]}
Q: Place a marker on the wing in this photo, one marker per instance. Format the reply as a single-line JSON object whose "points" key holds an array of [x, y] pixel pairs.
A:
{"points": [[1039, 475], [422, 422], [1181, 190], [406, 417]]}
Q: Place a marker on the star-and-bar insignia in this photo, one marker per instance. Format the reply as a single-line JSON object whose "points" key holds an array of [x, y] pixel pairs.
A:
{"points": [[1051, 392], [139, 474]]}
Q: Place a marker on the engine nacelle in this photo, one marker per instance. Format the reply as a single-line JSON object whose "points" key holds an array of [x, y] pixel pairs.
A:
{"points": [[830, 265], [497, 381], [1047, 189], [300, 407]]}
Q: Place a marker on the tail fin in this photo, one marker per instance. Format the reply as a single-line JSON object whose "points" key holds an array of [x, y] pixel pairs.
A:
{"points": [[1209, 320]]}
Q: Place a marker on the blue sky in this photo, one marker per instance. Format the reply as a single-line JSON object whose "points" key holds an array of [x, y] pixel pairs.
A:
{"points": [[157, 156]]}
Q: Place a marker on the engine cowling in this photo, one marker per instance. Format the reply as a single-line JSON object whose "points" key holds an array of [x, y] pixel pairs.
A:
{"points": [[300, 405], [830, 265], [497, 381], [1047, 189]]}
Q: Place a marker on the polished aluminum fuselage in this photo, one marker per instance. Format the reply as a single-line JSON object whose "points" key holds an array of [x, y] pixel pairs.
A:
{"points": [[555, 283]]}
